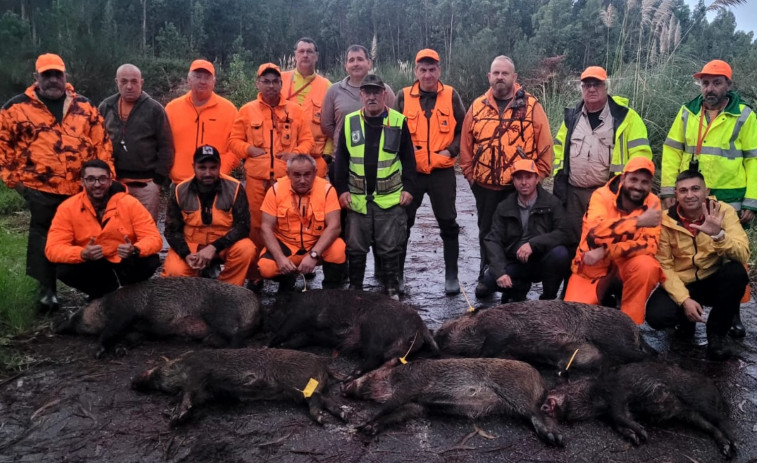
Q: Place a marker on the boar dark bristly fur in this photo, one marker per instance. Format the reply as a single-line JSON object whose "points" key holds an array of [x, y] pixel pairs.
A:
{"points": [[467, 387], [547, 332], [218, 313], [248, 373], [373, 325], [657, 391]]}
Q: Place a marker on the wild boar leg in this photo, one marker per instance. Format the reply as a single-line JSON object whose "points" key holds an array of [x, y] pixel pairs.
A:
{"points": [[317, 403], [624, 423], [189, 400], [391, 413], [725, 443], [546, 429], [117, 325]]}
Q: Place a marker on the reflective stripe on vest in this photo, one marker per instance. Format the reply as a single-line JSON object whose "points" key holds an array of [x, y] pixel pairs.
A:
{"points": [[195, 231], [389, 171]]}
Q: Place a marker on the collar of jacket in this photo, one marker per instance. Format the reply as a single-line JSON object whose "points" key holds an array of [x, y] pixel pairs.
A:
{"points": [[415, 89], [673, 220], [618, 110], [212, 101], [733, 106], [282, 101], [539, 206], [112, 101], [31, 92]]}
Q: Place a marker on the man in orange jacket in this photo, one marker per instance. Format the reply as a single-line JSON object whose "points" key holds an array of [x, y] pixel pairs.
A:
{"points": [[619, 239], [207, 223], [266, 133], [103, 238], [502, 126], [301, 227], [200, 117], [46, 134], [435, 115], [308, 89]]}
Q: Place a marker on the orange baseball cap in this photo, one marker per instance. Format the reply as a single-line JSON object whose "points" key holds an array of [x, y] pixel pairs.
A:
{"points": [[268, 66], [204, 65], [639, 163], [525, 165], [594, 72], [427, 53], [715, 67], [50, 62]]}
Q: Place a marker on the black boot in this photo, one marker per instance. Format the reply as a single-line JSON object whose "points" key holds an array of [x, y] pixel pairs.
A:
{"points": [[390, 267], [48, 299], [332, 275], [378, 268], [737, 328], [451, 253], [357, 270], [718, 348]]}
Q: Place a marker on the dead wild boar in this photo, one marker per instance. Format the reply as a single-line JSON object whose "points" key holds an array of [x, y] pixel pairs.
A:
{"points": [[217, 313], [373, 325], [546, 332], [658, 391], [248, 373], [468, 387]]}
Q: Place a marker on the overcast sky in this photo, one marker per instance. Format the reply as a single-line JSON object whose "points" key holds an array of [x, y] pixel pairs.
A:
{"points": [[746, 15]]}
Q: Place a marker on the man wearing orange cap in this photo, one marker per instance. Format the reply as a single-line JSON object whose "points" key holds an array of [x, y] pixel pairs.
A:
{"points": [[715, 134], [200, 117], [266, 133], [621, 231], [596, 139], [502, 126], [46, 134], [435, 115], [527, 240], [308, 89]]}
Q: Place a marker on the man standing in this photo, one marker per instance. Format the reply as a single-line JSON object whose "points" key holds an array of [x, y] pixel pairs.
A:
{"points": [[301, 226], [343, 97], [102, 238], [502, 126], [46, 134], [208, 222], [141, 137], [621, 230], [702, 251], [435, 115], [375, 178], [266, 133], [716, 134], [308, 89], [528, 238], [596, 139], [200, 117]]}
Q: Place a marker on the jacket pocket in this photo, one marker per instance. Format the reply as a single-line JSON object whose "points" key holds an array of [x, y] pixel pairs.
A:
{"points": [[444, 121], [255, 133], [412, 122]]}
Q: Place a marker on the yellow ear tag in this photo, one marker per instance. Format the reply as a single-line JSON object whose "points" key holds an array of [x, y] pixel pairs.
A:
{"points": [[403, 361], [570, 362], [470, 306], [310, 388]]}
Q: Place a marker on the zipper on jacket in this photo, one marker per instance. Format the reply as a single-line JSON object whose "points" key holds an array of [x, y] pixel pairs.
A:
{"points": [[428, 135], [693, 259], [271, 145]]}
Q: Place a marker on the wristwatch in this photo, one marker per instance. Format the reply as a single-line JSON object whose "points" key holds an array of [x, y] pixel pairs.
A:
{"points": [[314, 254]]}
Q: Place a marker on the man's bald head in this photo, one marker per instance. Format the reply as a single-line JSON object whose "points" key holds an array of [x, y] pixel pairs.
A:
{"points": [[129, 81]]}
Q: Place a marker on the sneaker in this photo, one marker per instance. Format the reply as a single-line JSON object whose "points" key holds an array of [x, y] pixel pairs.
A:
{"points": [[49, 300]]}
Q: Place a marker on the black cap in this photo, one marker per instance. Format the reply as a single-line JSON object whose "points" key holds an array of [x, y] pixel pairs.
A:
{"points": [[372, 80], [207, 153]]}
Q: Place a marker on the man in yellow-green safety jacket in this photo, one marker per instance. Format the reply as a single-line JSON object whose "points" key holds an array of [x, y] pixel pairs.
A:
{"points": [[375, 180], [715, 134], [595, 141]]}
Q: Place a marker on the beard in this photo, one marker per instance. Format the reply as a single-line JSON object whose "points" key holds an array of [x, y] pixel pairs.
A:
{"points": [[634, 197]]}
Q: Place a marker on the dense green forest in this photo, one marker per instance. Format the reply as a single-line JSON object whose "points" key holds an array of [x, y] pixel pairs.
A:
{"points": [[650, 47]]}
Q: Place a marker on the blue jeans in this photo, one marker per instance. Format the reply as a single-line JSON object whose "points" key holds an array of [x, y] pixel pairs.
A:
{"points": [[549, 268]]}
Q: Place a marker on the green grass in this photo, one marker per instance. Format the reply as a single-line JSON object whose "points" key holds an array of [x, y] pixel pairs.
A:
{"points": [[10, 201], [17, 291]]}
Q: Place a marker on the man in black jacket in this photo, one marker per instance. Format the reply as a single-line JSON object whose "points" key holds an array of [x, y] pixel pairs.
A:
{"points": [[141, 136], [528, 239]]}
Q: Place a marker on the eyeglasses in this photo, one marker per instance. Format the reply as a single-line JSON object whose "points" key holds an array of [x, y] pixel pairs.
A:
{"points": [[588, 85], [92, 180], [269, 82]]}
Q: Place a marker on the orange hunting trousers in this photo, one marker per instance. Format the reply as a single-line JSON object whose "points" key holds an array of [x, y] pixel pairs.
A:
{"points": [[237, 259], [639, 276]]}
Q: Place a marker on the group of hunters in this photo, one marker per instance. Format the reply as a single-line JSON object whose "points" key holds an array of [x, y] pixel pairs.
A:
{"points": [[333, 171]]}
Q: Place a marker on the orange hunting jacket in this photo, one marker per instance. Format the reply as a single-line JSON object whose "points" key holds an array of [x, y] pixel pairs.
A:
{"points": [[311, 107], [605, 225], [46, 155]]}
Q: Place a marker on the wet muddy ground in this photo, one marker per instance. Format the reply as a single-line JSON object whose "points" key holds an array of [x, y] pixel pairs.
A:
{"points": [[70, 407]]}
